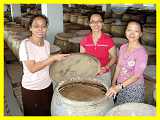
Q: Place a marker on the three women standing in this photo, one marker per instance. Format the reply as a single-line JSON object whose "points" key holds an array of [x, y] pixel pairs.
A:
{"points": [[127, 83]]}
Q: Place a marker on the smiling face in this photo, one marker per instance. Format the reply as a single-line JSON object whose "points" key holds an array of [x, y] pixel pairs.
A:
{"points": [[38, 27], [96, 23], [133, 32]]}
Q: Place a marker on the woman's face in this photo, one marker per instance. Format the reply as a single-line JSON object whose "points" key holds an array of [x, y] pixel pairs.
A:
{"points": [[133, 32], [96, 23], [38, 27]]}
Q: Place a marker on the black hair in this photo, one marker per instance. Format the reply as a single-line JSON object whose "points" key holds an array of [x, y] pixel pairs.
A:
{"points": [[38, 15], [136, 21], [141, 27], [97, 13]]}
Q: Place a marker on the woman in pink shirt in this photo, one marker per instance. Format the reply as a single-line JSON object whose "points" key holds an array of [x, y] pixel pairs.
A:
{"points": [[128, 81], [35, 55], [101, 46]]}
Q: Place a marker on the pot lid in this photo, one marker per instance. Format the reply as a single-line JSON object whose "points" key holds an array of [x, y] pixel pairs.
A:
{"points": [[75, 66]]}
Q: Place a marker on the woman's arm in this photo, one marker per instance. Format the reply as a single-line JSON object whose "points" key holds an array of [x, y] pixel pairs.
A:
{"points": [[116, 75], [112, 56], [36, 66], [141, 63], [116, 88], [82, 49], [112, 60]]}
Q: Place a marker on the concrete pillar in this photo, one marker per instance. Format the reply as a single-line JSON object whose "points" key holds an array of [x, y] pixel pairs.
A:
{"points": [[54, 12], [106, 8], [15, 10]]}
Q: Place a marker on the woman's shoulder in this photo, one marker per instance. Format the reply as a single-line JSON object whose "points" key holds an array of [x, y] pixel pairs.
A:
{"points": [[123, 46], [46, 42], [24, 41], [106, 35], [86, 38], [106, 38], [142, 50]]}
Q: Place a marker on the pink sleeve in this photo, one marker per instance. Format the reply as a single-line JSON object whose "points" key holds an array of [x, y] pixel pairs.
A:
{"points": [[141, 62]]}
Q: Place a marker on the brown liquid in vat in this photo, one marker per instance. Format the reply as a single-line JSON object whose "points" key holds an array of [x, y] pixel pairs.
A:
{"points": [[82, 91]]}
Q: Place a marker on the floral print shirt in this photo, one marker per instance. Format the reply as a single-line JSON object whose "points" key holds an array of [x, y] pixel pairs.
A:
{"points": [[132, 63]]}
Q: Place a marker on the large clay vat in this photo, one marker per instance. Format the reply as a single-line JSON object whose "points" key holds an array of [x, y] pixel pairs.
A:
{"points": [[150, 83], [82, 32], [77, 92], [81, 19], [74, 18], [151, 51], [149, 36], [132, 109], [119, 41], [54, 49], [80, 98], [61, 40], [66, 17], [75, 65], [118, 29], [151, 19], [75, 43], [14, 39], [107, 25]]}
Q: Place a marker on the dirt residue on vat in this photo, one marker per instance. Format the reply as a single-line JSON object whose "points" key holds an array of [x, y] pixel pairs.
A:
{"points": [[82, 91]]}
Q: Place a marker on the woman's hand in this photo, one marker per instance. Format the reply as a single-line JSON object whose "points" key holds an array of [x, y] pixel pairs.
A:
{"points": [[103, 70], [58, 57], [113, 90]]}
